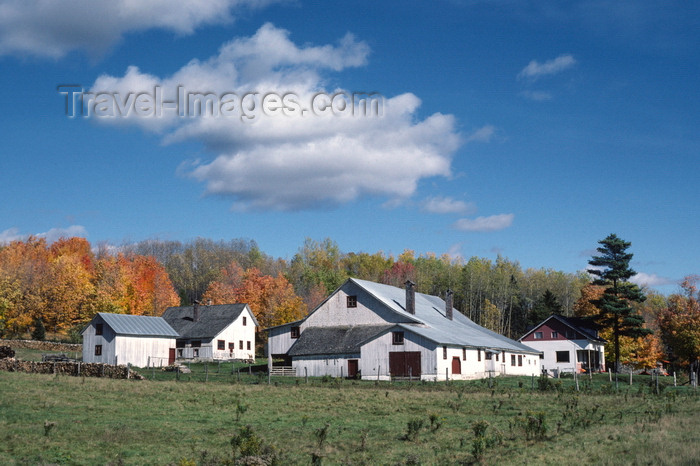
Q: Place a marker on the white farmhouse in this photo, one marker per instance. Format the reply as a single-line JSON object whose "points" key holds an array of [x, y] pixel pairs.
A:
{"points": [[377, 332], [567, 344], [128, 339], [219, 332]]}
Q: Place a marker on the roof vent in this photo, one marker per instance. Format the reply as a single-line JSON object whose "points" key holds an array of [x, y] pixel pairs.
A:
{"points": [[410, 297]]}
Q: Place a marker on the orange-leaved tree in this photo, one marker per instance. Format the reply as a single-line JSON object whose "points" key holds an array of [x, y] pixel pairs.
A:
{"points": [[272, 299]]}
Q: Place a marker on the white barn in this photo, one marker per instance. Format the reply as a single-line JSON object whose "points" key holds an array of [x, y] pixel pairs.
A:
{"points": [[567, 344], [219, 332], [128, 339], [376, 332]]}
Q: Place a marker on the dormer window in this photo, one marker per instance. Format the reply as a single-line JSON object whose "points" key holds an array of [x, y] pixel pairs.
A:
{"points": [[99, 328], [352, 301], [294, 332]]}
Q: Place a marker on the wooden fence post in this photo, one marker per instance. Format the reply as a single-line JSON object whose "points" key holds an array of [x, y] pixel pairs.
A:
{"points": [[630, 376], [306, 375]]}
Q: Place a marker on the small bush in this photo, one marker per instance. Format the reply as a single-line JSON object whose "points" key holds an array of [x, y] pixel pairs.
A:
{"points": [[413, 428]]}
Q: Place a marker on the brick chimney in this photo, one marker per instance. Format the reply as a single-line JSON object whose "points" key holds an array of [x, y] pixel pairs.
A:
{"points": [[448, 304], [410, 297], [195, 317]]}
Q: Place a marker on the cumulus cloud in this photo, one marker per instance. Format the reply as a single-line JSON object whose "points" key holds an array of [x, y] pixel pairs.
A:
{"points": [[535, 70], [485, 224], [646, 279], [13, 234], [447, 205], [297, 157], [51, 29]]}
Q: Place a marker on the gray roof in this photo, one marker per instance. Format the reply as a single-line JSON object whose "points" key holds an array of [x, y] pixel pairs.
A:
{"points": [[212, 319], [580, 324], [126, 324], [335, 340], [431, 321]]}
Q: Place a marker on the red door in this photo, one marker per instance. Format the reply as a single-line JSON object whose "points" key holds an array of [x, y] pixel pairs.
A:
{"points": [[352, 368], [456, 365], [171, 356], [404, 364]]}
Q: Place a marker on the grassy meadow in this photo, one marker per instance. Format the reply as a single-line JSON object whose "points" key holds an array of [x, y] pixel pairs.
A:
{"points": [[71, 420]]}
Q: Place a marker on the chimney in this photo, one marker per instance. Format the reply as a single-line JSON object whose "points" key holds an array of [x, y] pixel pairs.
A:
{"points": [[195, 317], [410, 297], [448, 304]]}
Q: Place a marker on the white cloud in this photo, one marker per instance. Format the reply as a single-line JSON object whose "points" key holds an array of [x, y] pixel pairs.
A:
{"points": [[291, 162], [483, 134], [13, 234], [485, 224], [51, 29], [10, 235], [455, 252], [535, 70], [447, 205], [646, 279]]}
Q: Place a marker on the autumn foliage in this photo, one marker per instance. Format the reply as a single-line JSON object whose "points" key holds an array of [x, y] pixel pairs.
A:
{"points": [[272, 299], [63, 285]]}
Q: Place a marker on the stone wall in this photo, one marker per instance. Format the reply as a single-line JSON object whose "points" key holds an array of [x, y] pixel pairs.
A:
{"points": [[69, 368], [42, 345]]}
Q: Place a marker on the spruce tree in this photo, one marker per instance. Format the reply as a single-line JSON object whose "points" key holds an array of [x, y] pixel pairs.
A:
{"points": [[39, 332], [614, 309]]}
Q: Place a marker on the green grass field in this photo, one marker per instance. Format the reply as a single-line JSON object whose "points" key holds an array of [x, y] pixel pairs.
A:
{"points": [[70, 420]]}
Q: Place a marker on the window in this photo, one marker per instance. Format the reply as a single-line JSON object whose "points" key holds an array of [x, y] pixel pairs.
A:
{"points": [[240, 344], [220, 345], [497, 357], [244, 320], [352, 301], [538, 335], [294, 331], [478, 355], [179, 353], [98, 350], [555, 335], [195, 353], [196, 343], [248, 345], [488, 355], [541, 355], [397, 338], [512, 360], [464, 354], [231, 346], [520, 360], [99, 328], [562, 356], [444, 352], [179, 343]]}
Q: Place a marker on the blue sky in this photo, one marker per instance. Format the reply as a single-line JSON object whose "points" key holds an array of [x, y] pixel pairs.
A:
{"points": [[526, 129]]}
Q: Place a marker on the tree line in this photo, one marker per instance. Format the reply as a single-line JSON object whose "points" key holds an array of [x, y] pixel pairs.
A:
{"points": [[65, 283]]}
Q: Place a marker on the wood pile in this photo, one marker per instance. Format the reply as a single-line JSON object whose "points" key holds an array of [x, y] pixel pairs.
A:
{"points": [[69, 368], [6, 352]]}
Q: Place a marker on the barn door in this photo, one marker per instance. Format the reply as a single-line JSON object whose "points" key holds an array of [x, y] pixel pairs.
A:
{"points": [[404, 364], [171, 356], [456, 365], [352, 368]]}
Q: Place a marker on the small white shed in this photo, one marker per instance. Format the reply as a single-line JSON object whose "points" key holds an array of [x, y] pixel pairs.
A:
{"points": [[128, 339]]}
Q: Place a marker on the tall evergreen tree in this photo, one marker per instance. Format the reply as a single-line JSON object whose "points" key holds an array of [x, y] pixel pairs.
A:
{"points": [[544, 307], [614, 309]]}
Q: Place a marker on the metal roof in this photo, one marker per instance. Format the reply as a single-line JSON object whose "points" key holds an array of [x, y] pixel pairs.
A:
{"points": [[431, 321], [126, 324]]}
